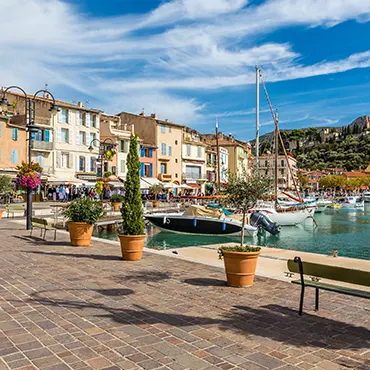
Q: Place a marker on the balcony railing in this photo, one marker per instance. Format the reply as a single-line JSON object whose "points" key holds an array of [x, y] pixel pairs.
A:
{"points": [[41, 145], [194, 176], [164, 177], [122, 126]]}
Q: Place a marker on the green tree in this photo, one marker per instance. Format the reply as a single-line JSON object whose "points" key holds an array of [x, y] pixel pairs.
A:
{"points": [[6, 185], [131, 210], [243, 191], [303, 180]]}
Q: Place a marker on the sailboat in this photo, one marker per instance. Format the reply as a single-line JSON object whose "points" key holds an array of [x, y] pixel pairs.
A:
{"points": [[284, 216]]}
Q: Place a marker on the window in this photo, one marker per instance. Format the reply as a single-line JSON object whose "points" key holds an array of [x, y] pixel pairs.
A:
{"points": [[199, 151], [148, 169], [82, 163], [40, 159], [193, 172], [81, 119], [14, 156], [64, 116], [93, 164], [176, 161], [163, 129], [163, 168], [170, 151], [188, 150], [170, 129], [92, 138], [266, 163], [122, 168], [64, 160], [282, 163], [163, 149], [176, 175], [282, 171], [82, 137], [124, 146], [176, 142], [64, 135], [93, 120], [14, 134]]}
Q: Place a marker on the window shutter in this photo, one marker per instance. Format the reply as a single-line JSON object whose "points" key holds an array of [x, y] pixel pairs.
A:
{"points": [[142, 170], [70, 140], [125, 146], [70, 160], [15, 156], [151, 170], [142, 152], [88, 138], [12, 156], [88, 119], [97, 122], [150, 153], [87, 164], [78, 138], [60, 116], [77, 162], [69, 117], [47, 135]]}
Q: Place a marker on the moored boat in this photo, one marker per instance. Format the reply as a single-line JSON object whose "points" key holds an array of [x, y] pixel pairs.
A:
{"points": [[352, 202]]}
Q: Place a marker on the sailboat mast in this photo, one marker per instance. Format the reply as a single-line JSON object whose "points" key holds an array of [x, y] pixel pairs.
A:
{"points": [[218, 159], [276, 155], [257, 117]]}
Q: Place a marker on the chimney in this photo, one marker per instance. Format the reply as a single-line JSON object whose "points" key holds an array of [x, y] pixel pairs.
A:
{"points": [[153, 115], [80, 105]]}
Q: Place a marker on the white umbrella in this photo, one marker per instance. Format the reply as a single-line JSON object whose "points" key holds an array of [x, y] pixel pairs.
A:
{"points": [[184, 186], [170, 185]]}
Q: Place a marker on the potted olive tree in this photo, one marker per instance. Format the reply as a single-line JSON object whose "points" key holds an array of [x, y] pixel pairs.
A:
{"points": [[242, 193], [155, 190], [133, 237], [116, 200], [82, 214]]}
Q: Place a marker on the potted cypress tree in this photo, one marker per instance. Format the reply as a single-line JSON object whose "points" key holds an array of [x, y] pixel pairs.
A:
{"points": [[242, 193], [155, 190], [82, 214], [133, 237]]}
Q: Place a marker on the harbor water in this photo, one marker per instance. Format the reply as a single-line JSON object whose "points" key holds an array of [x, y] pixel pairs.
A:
{"points": [[344, 230]]}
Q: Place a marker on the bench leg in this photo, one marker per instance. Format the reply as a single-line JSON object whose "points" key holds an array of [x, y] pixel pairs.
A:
{"points": [[31, 232], [40, 233], [44, 234], [55, 234], [317, 300], [301, 300]]}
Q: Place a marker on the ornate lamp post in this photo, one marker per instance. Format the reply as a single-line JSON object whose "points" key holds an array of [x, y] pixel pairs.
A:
{"points": [[29, 114]]}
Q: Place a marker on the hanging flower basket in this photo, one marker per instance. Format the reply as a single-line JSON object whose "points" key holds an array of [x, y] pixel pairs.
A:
{"points": [[109, 154], [28, 176]]}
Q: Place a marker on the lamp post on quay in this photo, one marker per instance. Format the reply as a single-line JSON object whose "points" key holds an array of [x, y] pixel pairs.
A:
{"points": [[107, 144], [29, 116]]}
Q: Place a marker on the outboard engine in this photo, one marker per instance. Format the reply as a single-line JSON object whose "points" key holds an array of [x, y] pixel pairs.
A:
{"points": [[262, 221]]}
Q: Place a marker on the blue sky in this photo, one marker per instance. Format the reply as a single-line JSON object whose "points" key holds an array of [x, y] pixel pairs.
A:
{"points": [[192, 60]]}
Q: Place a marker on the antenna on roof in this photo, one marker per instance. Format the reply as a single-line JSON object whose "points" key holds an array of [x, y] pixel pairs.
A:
{"points": [[46, 87], [87, 102], [143, 111]]}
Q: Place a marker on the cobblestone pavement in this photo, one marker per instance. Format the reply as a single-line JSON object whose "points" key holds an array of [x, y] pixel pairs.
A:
{"points": [[85, 308]]}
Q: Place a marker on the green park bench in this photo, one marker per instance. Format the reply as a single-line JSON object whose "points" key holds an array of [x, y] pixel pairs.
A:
{"points": [[340, 274], [44, 224], [15, 208]]}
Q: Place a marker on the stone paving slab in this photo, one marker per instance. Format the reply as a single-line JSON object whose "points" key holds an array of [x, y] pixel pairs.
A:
{"points": [[85, 308]]}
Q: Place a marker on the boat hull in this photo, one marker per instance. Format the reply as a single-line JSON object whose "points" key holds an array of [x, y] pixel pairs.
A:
{"points": [[289, 218], [199, 225]]}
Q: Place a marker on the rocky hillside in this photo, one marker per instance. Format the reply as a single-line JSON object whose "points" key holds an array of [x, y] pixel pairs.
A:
{"points": [[317, 148]]}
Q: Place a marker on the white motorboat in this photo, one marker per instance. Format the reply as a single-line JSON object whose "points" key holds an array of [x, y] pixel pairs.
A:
{"points": [[352, 202], [366, 196], [322, 204]]}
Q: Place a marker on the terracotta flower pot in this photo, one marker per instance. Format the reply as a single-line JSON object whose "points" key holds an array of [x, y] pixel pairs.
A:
{"points": [[132, 246], [240, 267], [116, 206], [1, 213], [80, 233], [155, 203]]}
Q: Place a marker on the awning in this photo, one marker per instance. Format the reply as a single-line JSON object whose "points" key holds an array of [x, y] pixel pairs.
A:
{"points": [[185, 186], [116, 184], [170, 185], [193, 186], [151, 181], [68, 181]]}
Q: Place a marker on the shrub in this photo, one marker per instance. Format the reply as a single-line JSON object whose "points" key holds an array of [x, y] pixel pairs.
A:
{"points": [[116, 198], [131, 210], [84, 210], [237, 248]]}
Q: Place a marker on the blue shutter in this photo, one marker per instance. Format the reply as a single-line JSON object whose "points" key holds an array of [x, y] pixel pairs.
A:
{"points": [[14, 134], [15, 155], [47, 135], [142, 152], [12, 156], [33, 135], [150, 153], [151, 169], [142, 170]]}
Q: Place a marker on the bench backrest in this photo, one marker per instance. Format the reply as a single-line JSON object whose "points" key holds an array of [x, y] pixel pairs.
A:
{"points": [[343, 274], [39, 221]]}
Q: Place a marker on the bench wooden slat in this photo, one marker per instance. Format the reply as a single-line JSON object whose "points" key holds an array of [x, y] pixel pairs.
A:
{"points": [[343, 274], [335, 288]]}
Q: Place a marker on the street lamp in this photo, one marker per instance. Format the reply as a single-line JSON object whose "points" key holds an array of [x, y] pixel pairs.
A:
{"points": [[30, 115]]}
